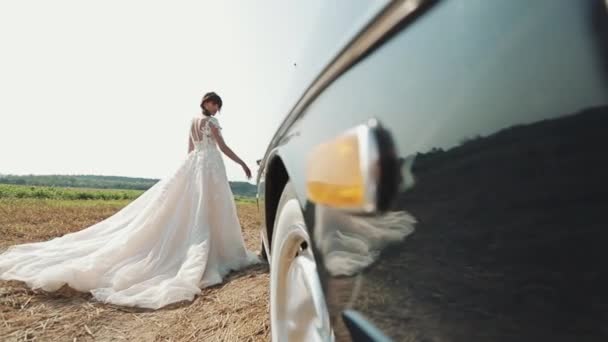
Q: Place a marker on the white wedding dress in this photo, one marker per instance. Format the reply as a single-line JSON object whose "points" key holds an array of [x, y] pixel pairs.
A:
{"points": [[179, 236]]}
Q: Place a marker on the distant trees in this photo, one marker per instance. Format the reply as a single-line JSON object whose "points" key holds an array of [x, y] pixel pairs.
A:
{"points": [[242, 189]]}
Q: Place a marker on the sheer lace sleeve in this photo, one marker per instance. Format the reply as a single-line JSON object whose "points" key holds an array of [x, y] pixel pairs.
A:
{"points": [[215, 123], [212, 122]]}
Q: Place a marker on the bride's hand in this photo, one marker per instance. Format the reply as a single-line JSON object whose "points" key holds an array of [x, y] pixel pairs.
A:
{"points": [[247, 171]]}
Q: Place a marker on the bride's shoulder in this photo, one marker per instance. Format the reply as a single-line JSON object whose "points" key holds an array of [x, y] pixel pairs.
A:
{"points": [[213, 120]]}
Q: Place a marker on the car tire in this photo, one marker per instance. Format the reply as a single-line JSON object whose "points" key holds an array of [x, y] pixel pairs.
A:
{"points": [[298, 310], [262, 253]]}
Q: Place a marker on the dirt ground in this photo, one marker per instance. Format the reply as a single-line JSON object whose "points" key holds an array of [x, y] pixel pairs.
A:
{"points": [[236, 310]]}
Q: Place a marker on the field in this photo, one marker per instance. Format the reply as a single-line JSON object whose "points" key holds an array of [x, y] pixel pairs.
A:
{"points": [[57, 193], [236, 310]]}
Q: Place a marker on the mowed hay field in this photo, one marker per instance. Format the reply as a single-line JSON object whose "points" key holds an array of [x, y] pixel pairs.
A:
{"points": [[236, 310]]}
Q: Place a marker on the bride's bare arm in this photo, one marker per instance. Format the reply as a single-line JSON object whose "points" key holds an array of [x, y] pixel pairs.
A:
{"points": [[190, 145], [224, 148], [227, 151]]}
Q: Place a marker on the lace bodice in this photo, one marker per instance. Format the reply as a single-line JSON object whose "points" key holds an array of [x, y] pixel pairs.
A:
{"points": [[206, 151], [200, 132]]}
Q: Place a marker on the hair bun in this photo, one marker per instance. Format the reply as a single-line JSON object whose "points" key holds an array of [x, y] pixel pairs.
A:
{"points": [[211, 96]]}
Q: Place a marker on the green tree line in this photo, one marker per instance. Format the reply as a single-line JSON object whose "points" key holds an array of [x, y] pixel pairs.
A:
{"points": [[241, 189]]}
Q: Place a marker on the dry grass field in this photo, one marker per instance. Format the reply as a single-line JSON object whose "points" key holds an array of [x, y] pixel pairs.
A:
{"points": [[236, 310]]}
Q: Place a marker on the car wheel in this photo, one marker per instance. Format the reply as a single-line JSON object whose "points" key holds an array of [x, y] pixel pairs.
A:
{"points": [[262, 253], [298, 311]]}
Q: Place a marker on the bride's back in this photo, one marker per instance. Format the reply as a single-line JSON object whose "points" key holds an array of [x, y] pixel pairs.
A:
{"points": [[201, 134]]}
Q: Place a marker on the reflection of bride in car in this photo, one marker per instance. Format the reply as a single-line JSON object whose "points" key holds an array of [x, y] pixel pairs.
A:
{"points": [[355, 242], [350, 243]]}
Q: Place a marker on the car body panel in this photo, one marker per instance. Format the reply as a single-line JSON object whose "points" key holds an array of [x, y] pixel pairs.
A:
{"points": [[503, 108]]}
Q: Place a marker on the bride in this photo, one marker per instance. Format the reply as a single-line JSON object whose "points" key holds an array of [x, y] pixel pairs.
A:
{"points": [[179, 236]]}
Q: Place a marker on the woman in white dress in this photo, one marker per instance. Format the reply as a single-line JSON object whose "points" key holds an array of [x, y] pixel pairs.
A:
{"points": [[179, 236]]}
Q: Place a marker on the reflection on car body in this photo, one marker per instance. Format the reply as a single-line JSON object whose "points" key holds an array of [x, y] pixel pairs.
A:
{"points": [[496, 230], [350, 243], [518, 254]]}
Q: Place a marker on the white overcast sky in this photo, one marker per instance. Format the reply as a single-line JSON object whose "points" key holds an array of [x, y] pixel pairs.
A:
{"points": [[109, 87]]}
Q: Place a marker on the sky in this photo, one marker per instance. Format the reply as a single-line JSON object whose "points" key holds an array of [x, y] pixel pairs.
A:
{"points": [[109, 87]]}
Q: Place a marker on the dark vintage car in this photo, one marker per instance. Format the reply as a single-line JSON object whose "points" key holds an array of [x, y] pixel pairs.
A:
{"points": [[445, 178]]}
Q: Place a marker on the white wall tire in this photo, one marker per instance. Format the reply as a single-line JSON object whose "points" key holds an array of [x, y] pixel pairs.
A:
{"points": [[297, 306]]}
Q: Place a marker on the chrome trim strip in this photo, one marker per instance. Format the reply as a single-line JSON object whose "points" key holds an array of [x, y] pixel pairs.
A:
{"points": [[384, 22]]}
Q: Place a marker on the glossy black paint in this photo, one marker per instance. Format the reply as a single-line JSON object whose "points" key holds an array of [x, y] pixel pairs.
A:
{"points": [[503, 107], [360, 329]]}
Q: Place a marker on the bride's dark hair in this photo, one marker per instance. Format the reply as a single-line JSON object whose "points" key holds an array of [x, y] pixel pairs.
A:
{"points": [[213, 97]]}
